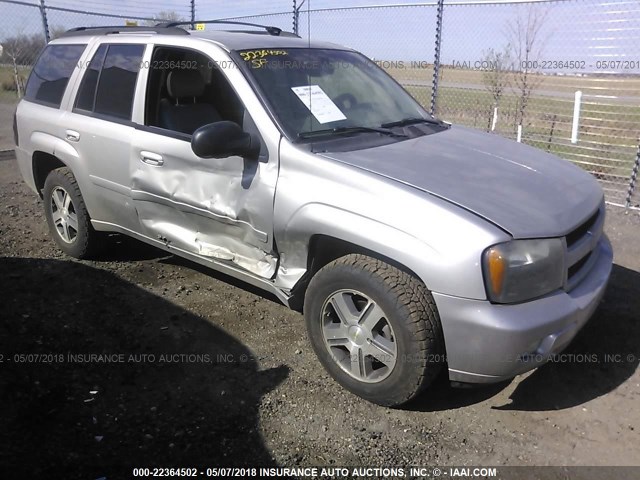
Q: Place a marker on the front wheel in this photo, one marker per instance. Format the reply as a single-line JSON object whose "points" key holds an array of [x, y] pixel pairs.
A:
{"points": [[375, 328]]}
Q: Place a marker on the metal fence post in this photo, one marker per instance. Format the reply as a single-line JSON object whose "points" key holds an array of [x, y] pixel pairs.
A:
{"points": [[193, 14], [45, 23], [296, 15], [634, 176], [295, 18], [436, 57]]}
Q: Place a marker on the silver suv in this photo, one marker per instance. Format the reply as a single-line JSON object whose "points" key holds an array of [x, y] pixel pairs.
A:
{"points": [[411, 245]]}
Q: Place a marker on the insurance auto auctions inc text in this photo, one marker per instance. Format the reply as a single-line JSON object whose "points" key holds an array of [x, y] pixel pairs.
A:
{"points": [[377, 472], [455, 64]]}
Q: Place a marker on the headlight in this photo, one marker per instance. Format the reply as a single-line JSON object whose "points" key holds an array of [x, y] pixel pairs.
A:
{"points": [[522, 270]]}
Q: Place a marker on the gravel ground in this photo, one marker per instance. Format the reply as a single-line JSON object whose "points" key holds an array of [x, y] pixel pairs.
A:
{"points": [[202, 371]]}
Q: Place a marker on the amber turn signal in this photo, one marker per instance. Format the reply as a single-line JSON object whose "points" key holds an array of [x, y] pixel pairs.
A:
{"points": [[497, 267]]}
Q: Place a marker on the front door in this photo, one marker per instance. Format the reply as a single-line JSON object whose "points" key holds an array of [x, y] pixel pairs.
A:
{"points": [[216, 208]]}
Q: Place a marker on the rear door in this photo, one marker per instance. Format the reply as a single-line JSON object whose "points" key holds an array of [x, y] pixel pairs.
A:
{"points": [[99, 126]]}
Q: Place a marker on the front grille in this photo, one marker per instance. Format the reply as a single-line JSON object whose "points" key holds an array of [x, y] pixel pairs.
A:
{"points": [[582, 230], [581, 248], [573, 269]]}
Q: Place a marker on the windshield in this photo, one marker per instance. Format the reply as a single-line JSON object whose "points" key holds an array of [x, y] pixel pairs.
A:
{"points": [[318, 92]]}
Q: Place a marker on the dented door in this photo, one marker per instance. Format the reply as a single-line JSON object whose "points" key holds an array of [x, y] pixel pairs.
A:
{"points": [[217, 208]]}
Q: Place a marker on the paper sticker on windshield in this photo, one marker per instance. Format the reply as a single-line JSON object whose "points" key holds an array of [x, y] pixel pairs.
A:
{"points": [[319, 104]]}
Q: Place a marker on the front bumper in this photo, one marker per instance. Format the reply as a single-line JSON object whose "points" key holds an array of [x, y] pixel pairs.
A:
{"points": [[488, 343]]}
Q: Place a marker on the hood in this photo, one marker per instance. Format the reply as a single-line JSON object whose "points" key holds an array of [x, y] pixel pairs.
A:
{"points": [[523, 190]]}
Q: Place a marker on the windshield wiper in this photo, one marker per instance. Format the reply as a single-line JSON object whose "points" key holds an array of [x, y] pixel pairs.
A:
{"points": [[412, 121], [346, 130]]}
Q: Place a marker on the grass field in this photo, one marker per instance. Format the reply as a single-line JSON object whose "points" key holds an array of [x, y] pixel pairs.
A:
{"points": [[609, 119], [602, 84]]}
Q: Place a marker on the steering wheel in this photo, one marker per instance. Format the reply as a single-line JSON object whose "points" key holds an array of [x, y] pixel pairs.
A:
{"points": [[346, 101]]}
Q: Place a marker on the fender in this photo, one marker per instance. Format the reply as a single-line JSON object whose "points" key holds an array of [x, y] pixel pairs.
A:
{"points": [[67, 154], [317, 218], [440, 242], [53, 145]]}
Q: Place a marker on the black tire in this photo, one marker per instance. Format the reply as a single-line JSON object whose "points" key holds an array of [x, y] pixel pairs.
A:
{"points": [[410, 312], [83, 242]]}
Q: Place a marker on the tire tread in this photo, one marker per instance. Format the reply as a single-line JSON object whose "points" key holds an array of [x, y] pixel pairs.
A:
{"points": [[91, 243], [423, 321]]}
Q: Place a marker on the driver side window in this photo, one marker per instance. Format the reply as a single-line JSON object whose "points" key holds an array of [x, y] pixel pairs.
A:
{"points": [[185, 93]]}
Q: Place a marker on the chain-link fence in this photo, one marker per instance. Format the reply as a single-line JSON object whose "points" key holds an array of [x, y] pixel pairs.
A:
{"points": [[399, 38], [560, 75]]}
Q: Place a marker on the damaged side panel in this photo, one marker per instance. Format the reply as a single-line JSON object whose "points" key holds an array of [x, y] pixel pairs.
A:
{"points": [[216, 208]]}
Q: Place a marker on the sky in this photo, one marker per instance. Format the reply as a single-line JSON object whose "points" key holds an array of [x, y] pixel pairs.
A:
{"points": [[587, 31]]}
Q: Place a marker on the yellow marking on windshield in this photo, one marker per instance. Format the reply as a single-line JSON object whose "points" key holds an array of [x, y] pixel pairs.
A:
{"points": [[252, 55]]}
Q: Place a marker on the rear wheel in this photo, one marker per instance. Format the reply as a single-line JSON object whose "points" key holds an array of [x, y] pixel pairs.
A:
{"points": [[375, 328], [67, 216]]}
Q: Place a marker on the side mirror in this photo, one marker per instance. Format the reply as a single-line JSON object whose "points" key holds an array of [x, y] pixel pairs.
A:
{"points": [[224, 139]]}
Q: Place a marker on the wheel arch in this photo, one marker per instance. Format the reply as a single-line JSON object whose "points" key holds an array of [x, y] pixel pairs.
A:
{"points": [[318, 234], [49, 153], [324, 249], [43, 163]]}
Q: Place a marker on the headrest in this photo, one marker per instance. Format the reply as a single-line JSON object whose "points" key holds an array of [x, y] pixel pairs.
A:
{"points": [[185, 83]]}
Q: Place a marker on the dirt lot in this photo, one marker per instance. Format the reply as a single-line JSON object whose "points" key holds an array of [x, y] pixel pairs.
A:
{"points": [[203, 372]]}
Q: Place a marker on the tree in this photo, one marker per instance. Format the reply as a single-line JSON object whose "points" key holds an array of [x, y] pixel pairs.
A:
{"points": [[56, 32], [22, 48], [496, 74], [18, 51], [527, 39], [164, 16]]}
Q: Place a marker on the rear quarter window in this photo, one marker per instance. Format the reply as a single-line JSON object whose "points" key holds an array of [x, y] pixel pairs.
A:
{"points": [[50, 76]]}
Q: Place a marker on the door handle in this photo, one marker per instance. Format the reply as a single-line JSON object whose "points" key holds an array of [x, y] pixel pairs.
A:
{"points": [[72, 135], [151, 158]]}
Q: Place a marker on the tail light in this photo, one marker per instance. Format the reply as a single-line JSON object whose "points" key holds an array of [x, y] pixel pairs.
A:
{"points": [[15, 127]]}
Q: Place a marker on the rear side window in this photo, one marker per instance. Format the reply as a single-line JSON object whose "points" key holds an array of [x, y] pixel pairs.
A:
{"points": [[109, 84], [50, 76]]}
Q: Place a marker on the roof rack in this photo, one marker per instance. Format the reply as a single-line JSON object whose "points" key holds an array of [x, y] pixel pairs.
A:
{"points": [[168, 28], [122, 29], [275, 31], [259, 32]]}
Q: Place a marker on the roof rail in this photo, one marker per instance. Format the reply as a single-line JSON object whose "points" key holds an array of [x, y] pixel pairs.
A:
{"points": [[275, 31], [122, 29]]}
